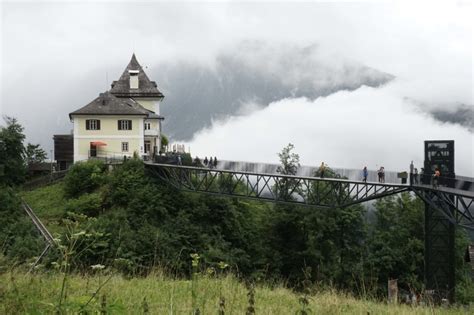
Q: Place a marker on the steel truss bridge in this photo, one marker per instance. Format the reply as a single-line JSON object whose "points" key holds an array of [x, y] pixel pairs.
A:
{"points": [[455, 205], [445, 207]]}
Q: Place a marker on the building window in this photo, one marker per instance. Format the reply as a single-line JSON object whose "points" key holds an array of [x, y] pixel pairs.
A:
{"points": [[147, 126], [92, 124], [124, 146], [124, 125]]}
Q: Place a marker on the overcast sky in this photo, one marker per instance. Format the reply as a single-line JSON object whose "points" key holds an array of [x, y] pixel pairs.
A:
{"points": [[57, 57]]}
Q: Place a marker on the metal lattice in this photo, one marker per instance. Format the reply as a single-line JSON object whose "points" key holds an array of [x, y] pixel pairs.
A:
{"points": [[445, 207], [320, 192], [455, 205]]}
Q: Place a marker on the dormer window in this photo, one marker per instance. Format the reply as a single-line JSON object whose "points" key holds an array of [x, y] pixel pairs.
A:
{"points": [[133, 79]]}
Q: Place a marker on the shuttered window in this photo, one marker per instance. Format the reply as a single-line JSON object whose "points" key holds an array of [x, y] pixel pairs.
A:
{"points": [[92, 124], [124, 125]]}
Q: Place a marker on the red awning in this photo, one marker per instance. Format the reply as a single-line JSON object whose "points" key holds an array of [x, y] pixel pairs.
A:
{"points": [[98, 143]]}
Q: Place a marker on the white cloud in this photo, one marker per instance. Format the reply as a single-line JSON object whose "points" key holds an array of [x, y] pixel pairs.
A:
{"points": [[55, 57], [369, 126]]}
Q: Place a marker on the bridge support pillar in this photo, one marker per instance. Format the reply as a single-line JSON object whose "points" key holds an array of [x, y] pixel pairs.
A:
{"points": [[439, 255]]}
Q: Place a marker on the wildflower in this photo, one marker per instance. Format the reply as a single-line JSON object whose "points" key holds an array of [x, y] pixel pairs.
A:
{"points": [[222, 265], [79, 234], [195, 257], [97, 267]]}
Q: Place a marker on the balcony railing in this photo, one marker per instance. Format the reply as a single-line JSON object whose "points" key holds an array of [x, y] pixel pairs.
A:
{"points": [[115, 157], [151, 132]]}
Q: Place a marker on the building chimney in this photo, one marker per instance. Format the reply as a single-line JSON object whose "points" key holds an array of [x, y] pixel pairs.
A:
{"points": [[133, 79]]}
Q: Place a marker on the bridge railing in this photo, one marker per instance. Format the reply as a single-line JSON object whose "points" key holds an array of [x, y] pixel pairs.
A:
{"points": [[443, 181], [322, 192], [390, 177], [462, 185], [310, 171]]}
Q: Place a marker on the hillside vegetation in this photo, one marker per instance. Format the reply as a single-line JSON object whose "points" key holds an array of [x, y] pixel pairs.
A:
{"points": [[132, 217], [128, 223]]}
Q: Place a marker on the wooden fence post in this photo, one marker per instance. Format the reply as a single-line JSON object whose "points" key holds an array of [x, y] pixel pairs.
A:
{"points": [[392, 291]]}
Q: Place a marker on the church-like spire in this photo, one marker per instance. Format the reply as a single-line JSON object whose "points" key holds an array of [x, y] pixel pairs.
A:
{"points": [[135, 83]]}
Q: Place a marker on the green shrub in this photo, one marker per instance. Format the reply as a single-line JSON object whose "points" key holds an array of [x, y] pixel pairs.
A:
{"points": [[88, 204], [126, 181], [18, 236], [84, 177], [186, 159]]}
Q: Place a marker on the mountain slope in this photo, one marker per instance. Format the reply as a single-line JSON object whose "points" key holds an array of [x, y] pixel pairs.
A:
{"points": [[252, 73]]}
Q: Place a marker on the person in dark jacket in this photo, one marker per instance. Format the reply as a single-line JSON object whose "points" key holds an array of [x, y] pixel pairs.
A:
{"points": [[215, 162], [380, 174], [412, 172]]}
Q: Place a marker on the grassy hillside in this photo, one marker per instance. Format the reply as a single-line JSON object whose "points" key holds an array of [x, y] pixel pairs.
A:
{"points": [[131, 223], [159, 294], [48, 203], [39, 294]]}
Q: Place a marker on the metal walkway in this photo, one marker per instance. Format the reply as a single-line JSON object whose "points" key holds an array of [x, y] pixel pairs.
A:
{"points": [[456, 204]]}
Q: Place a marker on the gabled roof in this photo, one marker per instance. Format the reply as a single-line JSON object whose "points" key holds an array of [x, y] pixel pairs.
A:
{"points": [[108, 104], [146, 88]]}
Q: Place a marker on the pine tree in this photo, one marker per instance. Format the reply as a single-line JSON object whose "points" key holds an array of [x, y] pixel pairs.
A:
{"points": [[12, 153]]}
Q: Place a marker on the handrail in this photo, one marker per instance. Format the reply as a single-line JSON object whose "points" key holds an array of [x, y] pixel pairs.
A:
{"points": [[43, 231], [275, 174], [460, 192], [37, 222]]}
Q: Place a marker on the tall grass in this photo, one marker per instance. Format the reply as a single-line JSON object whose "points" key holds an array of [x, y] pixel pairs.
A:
{"points": [[157, 294]]}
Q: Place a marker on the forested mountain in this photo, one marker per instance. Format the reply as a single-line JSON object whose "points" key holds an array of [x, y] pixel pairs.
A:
{"points": [[252, 73]]}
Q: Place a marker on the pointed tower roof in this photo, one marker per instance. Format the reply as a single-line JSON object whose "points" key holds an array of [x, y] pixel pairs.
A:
{"points": [[146, 88]]}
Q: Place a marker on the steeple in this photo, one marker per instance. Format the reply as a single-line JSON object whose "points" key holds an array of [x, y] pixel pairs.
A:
{"points": [[135, 83]]}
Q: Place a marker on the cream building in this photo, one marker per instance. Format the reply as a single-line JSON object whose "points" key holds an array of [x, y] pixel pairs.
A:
{"points": [[122, 121]]}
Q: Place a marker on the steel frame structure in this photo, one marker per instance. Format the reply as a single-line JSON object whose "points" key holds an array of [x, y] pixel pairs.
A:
{"points": [[445, 207], [310, 191], [457, 208], [455, 205]]}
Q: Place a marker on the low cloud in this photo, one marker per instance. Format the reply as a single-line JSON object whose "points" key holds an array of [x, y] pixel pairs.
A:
{"points": [[250, 73], [350, 129], [243, 57]]}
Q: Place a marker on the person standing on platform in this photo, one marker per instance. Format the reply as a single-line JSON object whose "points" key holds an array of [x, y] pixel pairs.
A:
{"points": [[412, 172], [436, 176], [322, 169], [215, 162], [380, 174], [365, 173], [415, 177]]}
